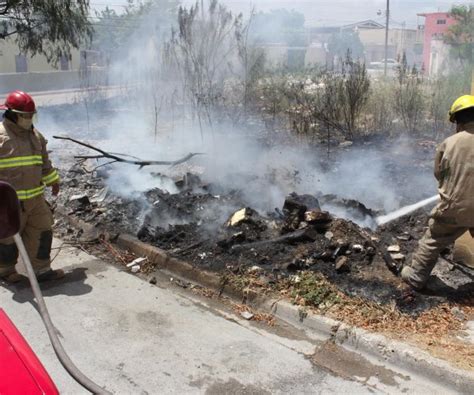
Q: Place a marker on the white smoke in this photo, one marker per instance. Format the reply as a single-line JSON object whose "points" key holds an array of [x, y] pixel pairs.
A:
{"points": [[149, 127]]}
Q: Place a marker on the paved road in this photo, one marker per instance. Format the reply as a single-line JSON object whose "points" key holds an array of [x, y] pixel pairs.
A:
{"points": [[136, 338], [69, 96]]}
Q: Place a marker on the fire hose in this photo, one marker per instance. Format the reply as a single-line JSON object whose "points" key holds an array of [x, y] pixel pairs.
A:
{"points": [[9, 227], [67, 363]]}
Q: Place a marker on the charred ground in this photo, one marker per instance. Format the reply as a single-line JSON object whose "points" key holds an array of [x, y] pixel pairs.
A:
{"points": [[216, 228]]}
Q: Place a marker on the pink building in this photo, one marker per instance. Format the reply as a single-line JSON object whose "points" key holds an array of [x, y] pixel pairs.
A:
{"points": [[436, 24]]}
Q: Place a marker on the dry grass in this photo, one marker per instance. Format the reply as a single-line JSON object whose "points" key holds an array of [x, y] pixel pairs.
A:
{"points": [[433, 330]]}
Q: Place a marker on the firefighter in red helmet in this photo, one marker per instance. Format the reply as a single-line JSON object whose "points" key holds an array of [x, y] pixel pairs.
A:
{"points": [[24, 163]]}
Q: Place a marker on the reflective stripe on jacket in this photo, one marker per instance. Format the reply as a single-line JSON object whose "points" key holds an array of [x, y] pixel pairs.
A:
{"points": [[24, 161]]}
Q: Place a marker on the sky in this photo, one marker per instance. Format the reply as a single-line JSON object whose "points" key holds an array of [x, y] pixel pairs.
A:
{"points": [[332, 12]]}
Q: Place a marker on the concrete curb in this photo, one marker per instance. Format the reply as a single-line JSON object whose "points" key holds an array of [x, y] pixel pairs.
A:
{"points": [[372, 346]]}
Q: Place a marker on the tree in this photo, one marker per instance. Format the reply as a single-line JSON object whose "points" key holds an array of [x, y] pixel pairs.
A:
{"points": [[461, 35], [346, 40], [409, 98], [113, 30], [205, 50], [355, 91], [47, 27]]}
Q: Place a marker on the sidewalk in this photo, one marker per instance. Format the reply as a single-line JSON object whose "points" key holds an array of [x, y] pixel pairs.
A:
{"points": [[134, 337]]}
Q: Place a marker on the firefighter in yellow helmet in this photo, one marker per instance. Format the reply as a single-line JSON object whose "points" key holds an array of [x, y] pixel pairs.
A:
{"points": [[24, 164], [454, 214]]}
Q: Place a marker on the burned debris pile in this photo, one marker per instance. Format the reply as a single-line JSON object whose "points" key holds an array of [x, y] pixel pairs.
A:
{"points": [[216, 230]]}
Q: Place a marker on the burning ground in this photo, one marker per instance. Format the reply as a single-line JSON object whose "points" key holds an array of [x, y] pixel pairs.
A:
{"points": [[240, 221]]}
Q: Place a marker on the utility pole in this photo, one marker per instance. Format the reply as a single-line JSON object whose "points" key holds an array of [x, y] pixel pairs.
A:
{"points": [[472, 82], [472, 56], [387, 19]]}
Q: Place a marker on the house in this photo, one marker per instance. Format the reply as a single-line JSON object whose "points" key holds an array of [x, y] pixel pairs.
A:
{"points": [[35, 73], [400, 41], [434, 51], [372, 35], [322, 34], [12, 61]]}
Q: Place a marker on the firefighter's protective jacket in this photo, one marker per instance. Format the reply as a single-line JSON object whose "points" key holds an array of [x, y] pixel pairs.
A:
{"points": [[454, 170], [24, 161]]}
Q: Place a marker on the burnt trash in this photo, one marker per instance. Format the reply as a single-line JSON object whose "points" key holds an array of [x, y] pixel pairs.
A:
{"points": [[244, 215], [277, 214], [318, 219], [72, 182], [300, 235], [243, 228], [300, 203], [189, 181], [82, 199], [325, 256], [342, 264], [235, 238], [357, 248], [294, 209], [146, 233], [78, 203], [294, 265], [341, 248], [248, 221], [317, 216], [295, 237]]}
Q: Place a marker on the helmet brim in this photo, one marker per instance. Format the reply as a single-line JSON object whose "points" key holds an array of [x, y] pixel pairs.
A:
{"points": [[4, 107], [21, 112]]}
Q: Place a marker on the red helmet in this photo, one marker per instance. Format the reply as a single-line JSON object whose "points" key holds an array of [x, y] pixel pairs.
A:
{"points": [[19, 102]]}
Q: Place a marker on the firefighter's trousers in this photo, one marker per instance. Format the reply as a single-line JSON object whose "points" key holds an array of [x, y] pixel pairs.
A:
{"points": [[37, 235], [437, 237]]}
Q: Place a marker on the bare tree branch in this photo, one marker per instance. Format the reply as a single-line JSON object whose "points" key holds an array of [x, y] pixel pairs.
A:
{"points": [[119, 158]]}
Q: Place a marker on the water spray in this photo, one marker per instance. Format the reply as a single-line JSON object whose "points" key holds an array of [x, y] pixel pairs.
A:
{"points": [[384, 219]]}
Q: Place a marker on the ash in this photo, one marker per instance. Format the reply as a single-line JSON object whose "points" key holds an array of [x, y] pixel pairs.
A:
{"points": [[216, 229]]}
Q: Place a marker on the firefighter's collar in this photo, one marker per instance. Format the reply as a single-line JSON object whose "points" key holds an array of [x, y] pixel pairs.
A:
{"points": [[468, 127], [12, 126]]}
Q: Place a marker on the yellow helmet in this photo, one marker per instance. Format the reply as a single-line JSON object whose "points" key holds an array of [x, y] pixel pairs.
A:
{"points": [[461, 103]]}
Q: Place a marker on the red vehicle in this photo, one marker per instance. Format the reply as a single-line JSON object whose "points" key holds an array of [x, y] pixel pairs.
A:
{"points": [[21, 372]]}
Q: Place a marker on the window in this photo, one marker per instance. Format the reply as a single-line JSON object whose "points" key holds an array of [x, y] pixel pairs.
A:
{"points": [[21, 64], [441, 22], [64, 63]]}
